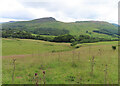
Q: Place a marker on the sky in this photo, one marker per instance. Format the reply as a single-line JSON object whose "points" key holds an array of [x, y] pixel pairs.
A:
{"points": [[61, 10]]}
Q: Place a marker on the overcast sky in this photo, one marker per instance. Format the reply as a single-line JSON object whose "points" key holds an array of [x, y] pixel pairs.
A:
{"points": [[62, 10]]}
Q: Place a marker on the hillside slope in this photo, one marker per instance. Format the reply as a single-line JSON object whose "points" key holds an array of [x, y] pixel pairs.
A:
{"points": [[50, 26]]}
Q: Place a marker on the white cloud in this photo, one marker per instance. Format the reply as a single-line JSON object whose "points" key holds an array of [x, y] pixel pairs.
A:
{"points": [[11, 9], [7, 19], [63, 10]]}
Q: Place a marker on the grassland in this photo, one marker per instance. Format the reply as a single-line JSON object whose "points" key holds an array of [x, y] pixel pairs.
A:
{"points": [[26, 46], [70, 66]]}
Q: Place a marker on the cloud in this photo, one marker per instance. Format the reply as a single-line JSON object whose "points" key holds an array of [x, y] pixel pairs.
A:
{"points": [[9, 19], [18, 14], [63, 10], [14, 10]]}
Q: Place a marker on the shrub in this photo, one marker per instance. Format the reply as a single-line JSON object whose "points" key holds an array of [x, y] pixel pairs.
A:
{"points": [[114, 47], [63, 38], [70, 78], [72, 40], [86, 31], [74, 65], [74, 43], [53, 51], [77, 47]]}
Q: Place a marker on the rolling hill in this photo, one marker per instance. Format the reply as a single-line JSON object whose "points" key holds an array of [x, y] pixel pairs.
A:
{"points": [[50, 26]]}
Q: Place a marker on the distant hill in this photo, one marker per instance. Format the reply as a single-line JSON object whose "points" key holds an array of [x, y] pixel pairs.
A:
{"points": [[115, 24], [46, 19], [12, 21], [50, 26]]}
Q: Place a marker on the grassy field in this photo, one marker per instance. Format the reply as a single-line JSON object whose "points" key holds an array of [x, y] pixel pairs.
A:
{"points": [[62, 64], [26, 46]]}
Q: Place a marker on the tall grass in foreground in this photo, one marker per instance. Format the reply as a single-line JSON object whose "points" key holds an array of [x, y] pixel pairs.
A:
{"points": [[36, 79], [106, 68], [92, 61], [13, 75], [71, 67]]}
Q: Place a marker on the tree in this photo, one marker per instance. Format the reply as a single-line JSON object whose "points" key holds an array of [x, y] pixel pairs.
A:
{"points": [[72, 40], [74, 43], [63, 38]]}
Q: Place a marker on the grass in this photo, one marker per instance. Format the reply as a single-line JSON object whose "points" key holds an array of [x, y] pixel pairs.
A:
{"points": [[59, 66], [100, 43], [26, 46]]}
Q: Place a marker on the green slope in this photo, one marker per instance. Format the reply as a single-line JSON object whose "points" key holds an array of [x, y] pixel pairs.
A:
{"points": [[49, 25], [28, 46]]}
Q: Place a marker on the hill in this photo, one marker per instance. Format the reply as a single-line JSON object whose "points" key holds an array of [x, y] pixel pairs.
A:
{"points": [[50, 26]]}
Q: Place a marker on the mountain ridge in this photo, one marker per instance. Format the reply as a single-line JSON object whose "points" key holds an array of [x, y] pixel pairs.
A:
{"points": [[45, 19], [49, 25]]}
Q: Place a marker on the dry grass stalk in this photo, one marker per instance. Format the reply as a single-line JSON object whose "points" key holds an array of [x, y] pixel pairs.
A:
{"points": [[92, 65], [106, 68], [13, 75]]}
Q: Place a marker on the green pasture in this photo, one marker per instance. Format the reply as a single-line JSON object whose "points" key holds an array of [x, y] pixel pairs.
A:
{"points": [[62, 63]]}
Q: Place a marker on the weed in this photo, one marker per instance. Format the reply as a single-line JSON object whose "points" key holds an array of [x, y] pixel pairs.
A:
{"points": [[74, 65], [36, 79], [106, 68], [79, 79], [78, 56], [100, 52], [59, 55], [70, 78], [92, 64], [44, 77], [13, 75], [73, 62]]}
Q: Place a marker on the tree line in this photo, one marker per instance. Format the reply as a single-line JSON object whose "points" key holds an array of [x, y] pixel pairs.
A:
{"points": [[61, 38]]}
